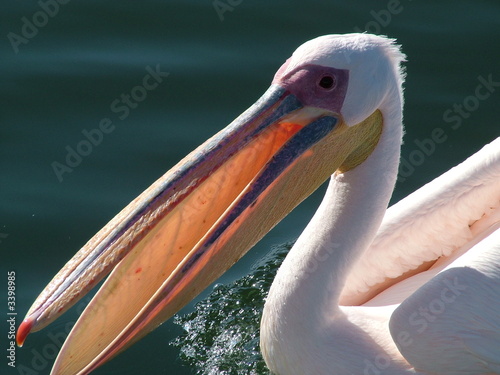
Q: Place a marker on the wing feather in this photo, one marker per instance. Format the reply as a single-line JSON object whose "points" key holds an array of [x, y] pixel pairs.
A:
{"points": [[433, 221], [451, 325]]}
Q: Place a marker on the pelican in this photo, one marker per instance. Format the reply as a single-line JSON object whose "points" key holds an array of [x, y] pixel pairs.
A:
{"points": [[413, 289]]}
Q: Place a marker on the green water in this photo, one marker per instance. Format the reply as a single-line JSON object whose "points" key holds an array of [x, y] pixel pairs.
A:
{"points": [[63, 79]]}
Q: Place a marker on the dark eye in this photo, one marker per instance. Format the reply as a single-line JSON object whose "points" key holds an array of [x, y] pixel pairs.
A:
{"points": [[327, 82]]}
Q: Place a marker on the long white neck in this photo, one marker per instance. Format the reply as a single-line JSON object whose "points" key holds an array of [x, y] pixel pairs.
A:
{"points": [[303, 299]]}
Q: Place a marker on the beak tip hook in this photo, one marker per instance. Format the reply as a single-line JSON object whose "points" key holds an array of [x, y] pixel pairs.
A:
{"points": [[23, 331]]}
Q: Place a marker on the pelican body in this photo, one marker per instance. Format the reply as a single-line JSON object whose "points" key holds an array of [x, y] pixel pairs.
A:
{"points": [[413, 289]]}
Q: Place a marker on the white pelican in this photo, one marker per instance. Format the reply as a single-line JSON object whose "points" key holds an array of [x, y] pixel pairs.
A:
{"points": [[416, 291]]}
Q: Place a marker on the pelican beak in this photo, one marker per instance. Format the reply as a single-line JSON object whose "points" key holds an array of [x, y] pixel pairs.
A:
{"points": [[194, 223]]}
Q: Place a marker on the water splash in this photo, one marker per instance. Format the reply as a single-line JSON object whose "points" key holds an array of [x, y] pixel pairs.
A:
{"points": [[222, 334]]}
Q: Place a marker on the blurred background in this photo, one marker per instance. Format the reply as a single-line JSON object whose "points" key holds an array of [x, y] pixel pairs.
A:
{"points": [[65, 67]]}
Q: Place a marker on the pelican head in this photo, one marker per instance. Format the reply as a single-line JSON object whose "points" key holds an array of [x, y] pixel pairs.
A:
{"points": [[323, 114]]}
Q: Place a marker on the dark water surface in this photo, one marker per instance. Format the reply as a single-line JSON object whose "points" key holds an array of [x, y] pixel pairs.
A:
{"points": [[64, 78]]}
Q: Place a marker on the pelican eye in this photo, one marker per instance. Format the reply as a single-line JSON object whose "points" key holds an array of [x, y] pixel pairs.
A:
{"points": [[327, 82]]}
